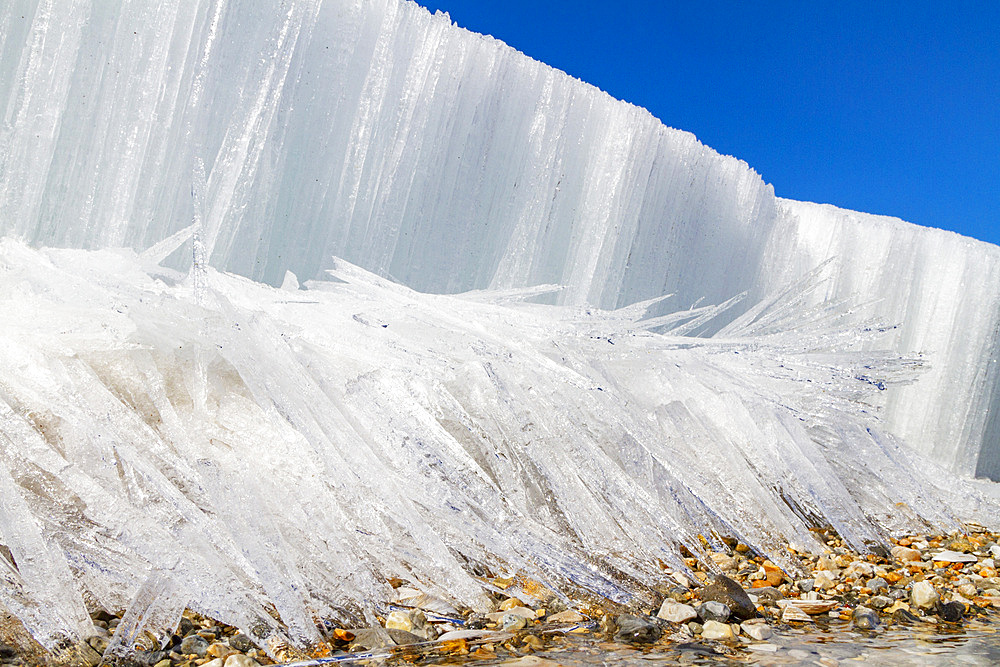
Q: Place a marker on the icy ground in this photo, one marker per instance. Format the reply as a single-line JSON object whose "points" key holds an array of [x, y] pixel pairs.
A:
{"points": [[209, 441]]}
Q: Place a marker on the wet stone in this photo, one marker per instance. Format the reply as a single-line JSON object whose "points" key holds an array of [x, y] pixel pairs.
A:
{"points": [[864, 618], [714, 611], [717, 630], [637, 629], [194, 644], [768, 595], [402, 637], [676, 612], [951, 612], [879, 602], [904, 616], [924, 595], [241, 642], [728, 592], [756, 630], [513, 622], [878, 585]]}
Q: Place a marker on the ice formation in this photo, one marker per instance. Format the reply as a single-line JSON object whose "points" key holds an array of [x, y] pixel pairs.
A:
{"points": [[493, 378]]}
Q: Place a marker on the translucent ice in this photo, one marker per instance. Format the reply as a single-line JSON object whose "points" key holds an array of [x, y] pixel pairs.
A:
{"points": [[248, 447], [185, 436]]}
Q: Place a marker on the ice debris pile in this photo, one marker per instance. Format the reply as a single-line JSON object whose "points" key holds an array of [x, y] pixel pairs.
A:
{"points": [[238, 449], [184, 436]]}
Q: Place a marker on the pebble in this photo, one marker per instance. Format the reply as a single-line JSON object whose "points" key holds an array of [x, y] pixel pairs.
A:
{"points": [[513, 622], [923, 595], [241, 642], [725, 590], [767, 595], [864, 618], [879, 602], [824, 580], [194, 644], [725, 562], [953, 557], [951, 611], [240, 660], [756, 630], [637, 629], [906, 554], [713, 611], [717, 630], [568, 616], [402, 637], [675, 612], [878, 585]]}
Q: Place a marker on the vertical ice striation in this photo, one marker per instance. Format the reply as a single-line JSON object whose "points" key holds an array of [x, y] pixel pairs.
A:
{"points": [[382, 134], [423, 435]]}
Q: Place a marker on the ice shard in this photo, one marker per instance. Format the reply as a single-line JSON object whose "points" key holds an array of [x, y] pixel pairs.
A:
{"points": [[415, 413]]}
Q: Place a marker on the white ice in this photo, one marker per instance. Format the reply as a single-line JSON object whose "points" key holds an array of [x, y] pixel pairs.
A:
{"points": [[185, 436]]}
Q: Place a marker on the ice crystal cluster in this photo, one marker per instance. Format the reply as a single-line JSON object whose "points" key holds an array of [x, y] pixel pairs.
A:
{"points": [[537, 330]]}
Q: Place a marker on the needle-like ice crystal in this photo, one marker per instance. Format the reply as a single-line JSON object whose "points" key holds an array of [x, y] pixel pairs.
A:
{"points": [[496, 378]]}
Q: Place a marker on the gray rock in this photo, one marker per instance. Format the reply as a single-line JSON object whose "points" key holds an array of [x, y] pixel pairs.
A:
{"points": [[184, 628], [903, 616], [639, 629], [194, 644], [878, 585], [951, 611], [402, 637], [241, 642], [714, 611], [768, 595], [879, 602], [728, 592], [366, 639], [805, 585], [865, 618]]}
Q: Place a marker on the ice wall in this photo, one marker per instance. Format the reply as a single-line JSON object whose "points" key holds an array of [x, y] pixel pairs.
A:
{"points": [[377, 132]]}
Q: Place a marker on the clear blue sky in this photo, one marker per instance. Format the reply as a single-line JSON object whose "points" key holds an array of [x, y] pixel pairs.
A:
{"points": [[884, 107]]}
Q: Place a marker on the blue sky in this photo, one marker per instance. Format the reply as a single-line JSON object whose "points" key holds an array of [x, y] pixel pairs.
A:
{"points": [[890, 108]]}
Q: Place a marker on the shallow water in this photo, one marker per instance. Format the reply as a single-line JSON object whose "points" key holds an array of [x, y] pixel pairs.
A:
{"points": [[975, 643]]}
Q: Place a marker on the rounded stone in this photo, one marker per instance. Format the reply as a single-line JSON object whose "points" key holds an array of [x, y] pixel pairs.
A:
{"points": [[951, 611], [865, 618], [637, 629], [728, 592], [240, 660], [756, 630], [924, 595], [194, 644], [676, 612], [717, 630], [714, 611], [513, 622], [241, 642]]}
